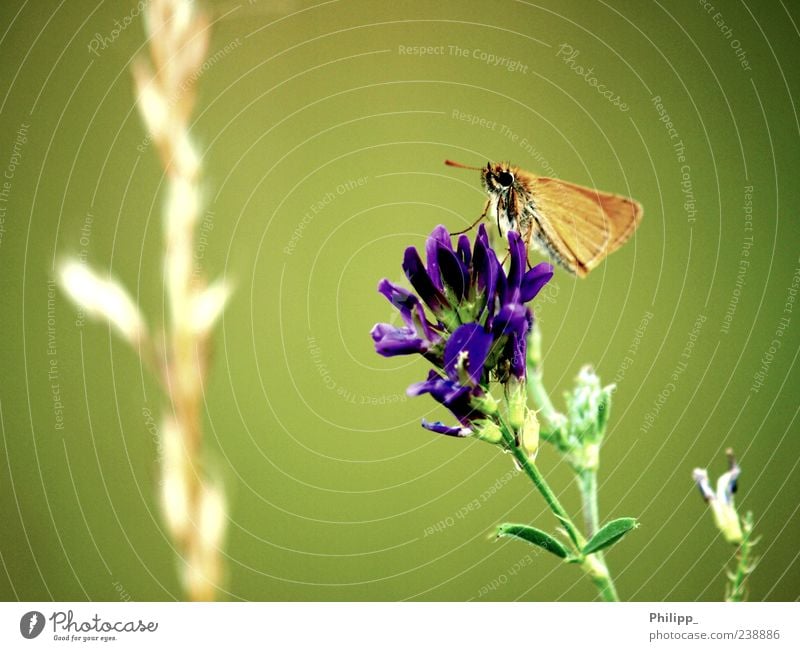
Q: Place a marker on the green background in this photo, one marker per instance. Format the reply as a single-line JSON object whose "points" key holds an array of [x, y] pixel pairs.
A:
{"points": [[332, 482]]}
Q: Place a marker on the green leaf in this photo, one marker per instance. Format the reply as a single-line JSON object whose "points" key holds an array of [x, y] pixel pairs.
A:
{"points": [[534, 537], [609, 534]]}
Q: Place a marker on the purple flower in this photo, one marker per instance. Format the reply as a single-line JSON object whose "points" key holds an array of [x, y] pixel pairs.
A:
{"points": [[464, 358], [456, 397], [440, 428], [479, 321], [467, 349], [417, 336]]}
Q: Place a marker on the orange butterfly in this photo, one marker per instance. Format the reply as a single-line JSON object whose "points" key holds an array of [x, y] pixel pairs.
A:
{"points": [[577, 226]]}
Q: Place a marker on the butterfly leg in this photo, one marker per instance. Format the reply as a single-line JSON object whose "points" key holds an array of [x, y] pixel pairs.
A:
{"points": [[476, 222], [528, 249]]}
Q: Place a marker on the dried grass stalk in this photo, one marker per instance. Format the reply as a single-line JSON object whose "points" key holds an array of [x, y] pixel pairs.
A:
{"points": [[193, 505]]}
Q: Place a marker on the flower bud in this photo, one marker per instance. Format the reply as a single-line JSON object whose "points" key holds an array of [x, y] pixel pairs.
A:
{"points": [[485, 404], [487, 430], [588, 407], [517, 402], [529, 440]]}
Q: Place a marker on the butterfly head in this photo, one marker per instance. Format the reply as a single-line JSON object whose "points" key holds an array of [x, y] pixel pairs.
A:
{"points": [[509, 189], [504, 179]]}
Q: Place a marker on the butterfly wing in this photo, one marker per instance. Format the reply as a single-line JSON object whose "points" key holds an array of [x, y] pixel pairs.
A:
{"points": [[589, 223]]}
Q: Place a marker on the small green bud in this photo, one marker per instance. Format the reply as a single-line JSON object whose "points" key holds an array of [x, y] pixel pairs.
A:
{"points": [[530, 434], [591, 456], [487, 430], [604, 408], [588, 407], [517, 402], [486, 404]]}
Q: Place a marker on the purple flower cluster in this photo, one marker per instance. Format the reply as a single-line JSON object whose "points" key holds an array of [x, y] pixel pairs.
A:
{"points": [[476, 323]]}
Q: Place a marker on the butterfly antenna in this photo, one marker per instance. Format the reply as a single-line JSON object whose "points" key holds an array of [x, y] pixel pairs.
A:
{"points": [[452, 163]]}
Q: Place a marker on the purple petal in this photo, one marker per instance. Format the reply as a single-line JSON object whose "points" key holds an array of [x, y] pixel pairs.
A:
{"points": [[534, 280], [454, 273], [401, 298], [464, 250], [502, 292], [512, 318], [451, 394], [473, 340], [516, 352], [439, 236], [485, 270], [423, 326], [421, 281], [519, 258], [440, 388], [440, 428], [482, 235], [390, 340]]}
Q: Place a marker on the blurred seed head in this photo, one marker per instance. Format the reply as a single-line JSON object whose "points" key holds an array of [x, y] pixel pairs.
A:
{"points": [[102, 298]]}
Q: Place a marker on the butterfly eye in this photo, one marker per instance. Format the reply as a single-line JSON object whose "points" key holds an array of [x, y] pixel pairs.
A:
{"points": [[505, 179]]}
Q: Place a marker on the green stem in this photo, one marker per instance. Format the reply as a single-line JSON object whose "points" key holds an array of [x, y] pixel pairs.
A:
{"points": [[596, 568], [591, 514], [593, 565], [588, 483], [554, 420], [541, 399], [550, 497], [736, 588]]}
